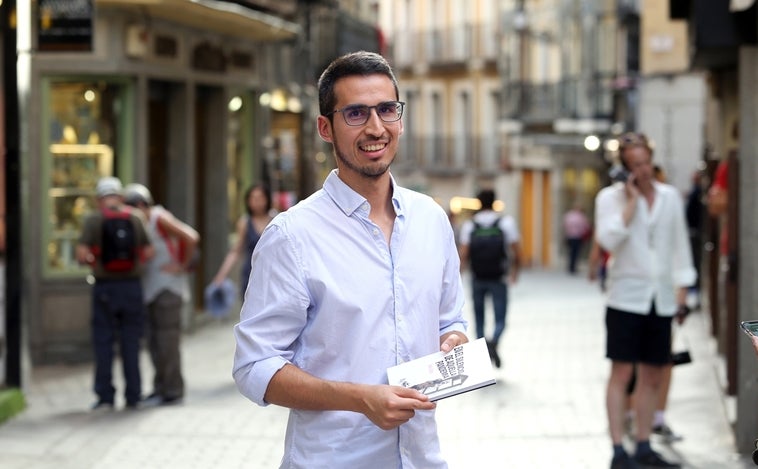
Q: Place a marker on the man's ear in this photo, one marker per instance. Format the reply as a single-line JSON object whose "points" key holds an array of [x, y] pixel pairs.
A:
{"points": [[325, 129]]}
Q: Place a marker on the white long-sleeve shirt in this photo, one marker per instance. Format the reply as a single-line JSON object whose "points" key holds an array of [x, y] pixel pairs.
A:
{"points": [[329, 295], [651, 257]]}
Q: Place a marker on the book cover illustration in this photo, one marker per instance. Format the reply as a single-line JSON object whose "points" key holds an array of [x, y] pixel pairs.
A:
{"points": [[440, 375]]}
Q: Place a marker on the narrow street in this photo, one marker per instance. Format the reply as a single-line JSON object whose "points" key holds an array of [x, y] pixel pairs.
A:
{"points": [[547, 409]]}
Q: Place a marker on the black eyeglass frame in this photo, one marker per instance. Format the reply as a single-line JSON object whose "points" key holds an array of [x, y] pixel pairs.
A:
{"points": [[400, 104]]}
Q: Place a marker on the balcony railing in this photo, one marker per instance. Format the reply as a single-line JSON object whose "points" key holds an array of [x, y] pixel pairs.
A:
{"points": [[445, 46], [571, 97], [448, 155]]}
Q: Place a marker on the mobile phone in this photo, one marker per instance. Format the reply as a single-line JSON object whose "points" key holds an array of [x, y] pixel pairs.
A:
{"points": [[618, 174], [750, 327]]}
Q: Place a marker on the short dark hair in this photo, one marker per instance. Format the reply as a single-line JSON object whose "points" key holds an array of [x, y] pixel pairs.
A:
{"points": [[486, 198], [266, 191], [355, 63]]}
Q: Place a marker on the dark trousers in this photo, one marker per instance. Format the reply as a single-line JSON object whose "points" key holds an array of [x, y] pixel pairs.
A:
{"points": [[164, 329], [574, 248], [498, 289], [117, 317]]}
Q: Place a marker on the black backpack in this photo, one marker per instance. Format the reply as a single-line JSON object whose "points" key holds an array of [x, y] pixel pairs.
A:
{"points": [[487, 251], [118, 245]]}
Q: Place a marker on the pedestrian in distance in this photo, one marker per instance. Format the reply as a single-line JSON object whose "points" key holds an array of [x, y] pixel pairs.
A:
{"points": [[115, 244], [166, 290], [576, 229], [641, 223], [360, 276], [489, 245], [248, 231], [598, 264]]}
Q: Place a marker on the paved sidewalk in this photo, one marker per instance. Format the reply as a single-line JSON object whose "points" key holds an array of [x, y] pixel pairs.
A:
{"points": [[546, 411]]}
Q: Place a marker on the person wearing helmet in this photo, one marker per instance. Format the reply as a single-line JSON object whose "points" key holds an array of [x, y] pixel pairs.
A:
{"points": [[165, 287], [115, 245]]}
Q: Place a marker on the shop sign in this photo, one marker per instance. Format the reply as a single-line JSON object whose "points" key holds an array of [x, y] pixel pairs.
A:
{"points": [[65, 25]]}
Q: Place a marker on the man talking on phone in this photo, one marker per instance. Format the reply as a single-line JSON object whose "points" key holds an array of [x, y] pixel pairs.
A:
{"points": [[641, 223]]}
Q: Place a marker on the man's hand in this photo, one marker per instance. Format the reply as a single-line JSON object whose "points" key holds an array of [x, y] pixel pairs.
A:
{"points": [[755, 343], [389, 407], [681, 313], [451, 340], [631, 189]]}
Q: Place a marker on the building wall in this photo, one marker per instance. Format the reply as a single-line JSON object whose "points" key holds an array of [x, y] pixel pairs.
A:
{"points": [[672, 114], [198, 138], [664, 47]]}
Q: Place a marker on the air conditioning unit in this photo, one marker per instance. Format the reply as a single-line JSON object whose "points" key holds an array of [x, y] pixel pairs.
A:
{"points": [[137, 41]]}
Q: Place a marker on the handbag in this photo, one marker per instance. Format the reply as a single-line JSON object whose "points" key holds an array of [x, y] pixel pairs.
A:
{"points": [[682, 356]]}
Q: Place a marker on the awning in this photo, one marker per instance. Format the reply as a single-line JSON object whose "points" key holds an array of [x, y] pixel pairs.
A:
{"points": [[214, 15]]}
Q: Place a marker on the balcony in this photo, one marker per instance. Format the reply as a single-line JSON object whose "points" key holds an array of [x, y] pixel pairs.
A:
{"points": [[444, 48], [531, 103], [449, 156]]}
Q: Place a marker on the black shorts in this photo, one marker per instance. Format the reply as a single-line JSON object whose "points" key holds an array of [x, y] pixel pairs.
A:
{"points": [[632, 337]]}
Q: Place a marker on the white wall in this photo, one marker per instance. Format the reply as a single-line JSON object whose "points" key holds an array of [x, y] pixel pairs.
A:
{"points": [[672, 114]]}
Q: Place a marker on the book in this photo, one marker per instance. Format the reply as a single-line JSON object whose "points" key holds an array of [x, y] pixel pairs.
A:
{"points": [[439, 375]]}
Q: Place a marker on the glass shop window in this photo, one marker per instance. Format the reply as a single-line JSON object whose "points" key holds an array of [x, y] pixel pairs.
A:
{"points": [[81, 128]]}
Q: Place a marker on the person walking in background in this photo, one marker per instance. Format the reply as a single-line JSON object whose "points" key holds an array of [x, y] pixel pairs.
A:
{"points": [[489, 245], [695, 211], [165, 287], [114, 244], [248, 231], [576, 229], [598, 264], [360, 276], [641, 223]]}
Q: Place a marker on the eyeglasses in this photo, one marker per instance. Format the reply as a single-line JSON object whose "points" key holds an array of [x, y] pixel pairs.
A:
{"points": [[358, 114]]}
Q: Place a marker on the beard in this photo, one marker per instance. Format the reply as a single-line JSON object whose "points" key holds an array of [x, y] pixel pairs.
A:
{"points": [[371, 170]]}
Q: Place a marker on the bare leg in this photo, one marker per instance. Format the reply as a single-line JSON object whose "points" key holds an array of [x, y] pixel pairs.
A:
{"points": [[649, 378], [621, 373], [663, 394]]}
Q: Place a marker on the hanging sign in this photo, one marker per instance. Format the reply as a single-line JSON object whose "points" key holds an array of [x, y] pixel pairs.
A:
{"points": [[65, 25]]}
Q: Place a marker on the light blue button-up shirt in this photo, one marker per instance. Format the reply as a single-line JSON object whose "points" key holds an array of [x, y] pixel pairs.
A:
{"points": [[328, 295], [650, 257]]}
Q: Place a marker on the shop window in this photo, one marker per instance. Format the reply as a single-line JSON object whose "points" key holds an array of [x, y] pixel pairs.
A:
{"points": [[81, 128]]}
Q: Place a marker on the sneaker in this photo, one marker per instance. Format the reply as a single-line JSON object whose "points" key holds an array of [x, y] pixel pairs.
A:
{"points": [[623, 461], [152, 400], [665, 432], [102, 406], [132, 405], [172, 400], [492, 349], [155, 400], [653, 459]]}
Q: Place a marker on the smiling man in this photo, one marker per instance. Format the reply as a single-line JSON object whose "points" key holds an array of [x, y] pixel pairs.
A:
{"points": [[361, 276]]}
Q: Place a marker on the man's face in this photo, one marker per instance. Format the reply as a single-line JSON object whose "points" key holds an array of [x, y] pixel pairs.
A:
{"points": [[639, 161], [362, 151]]}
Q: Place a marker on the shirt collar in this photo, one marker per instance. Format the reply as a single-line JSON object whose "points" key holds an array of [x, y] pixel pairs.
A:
{"points": [[349, 201]]}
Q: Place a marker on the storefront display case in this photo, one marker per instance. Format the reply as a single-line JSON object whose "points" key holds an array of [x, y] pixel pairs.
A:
{"points": [[75, 171]]}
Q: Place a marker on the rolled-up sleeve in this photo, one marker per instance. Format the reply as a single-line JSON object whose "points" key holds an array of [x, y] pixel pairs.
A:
{"points": [[273, 315], [451, 304]]}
